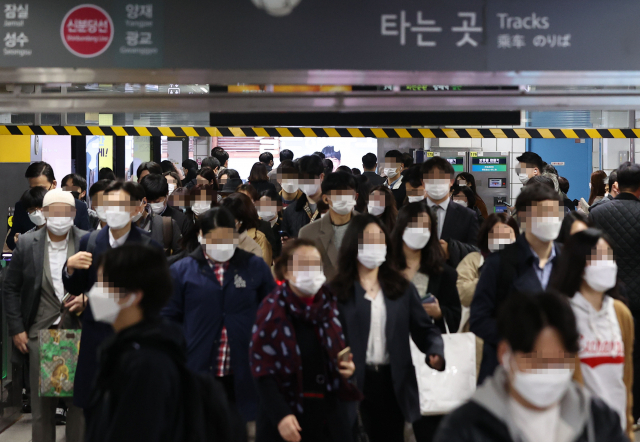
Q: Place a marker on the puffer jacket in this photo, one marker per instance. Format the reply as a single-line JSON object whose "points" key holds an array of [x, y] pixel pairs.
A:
{"points": [[486, 417], [619, 220]]}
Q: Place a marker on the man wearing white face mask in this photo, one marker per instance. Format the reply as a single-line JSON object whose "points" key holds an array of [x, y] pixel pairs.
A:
{"points": [[217, 291], [305, 209], [32, 201], [392, 169], [163, 229], [531, 397], [156, 190], [33, 299], [530, 165], [525, 266], [339, 193], [79, 274]]}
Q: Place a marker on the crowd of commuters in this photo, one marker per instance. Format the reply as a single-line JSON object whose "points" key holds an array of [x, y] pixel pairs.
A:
{"points": [[285, 306]]}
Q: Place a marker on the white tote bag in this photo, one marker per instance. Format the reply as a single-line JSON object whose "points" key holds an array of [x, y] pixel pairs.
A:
{"points": [[443, 391]]}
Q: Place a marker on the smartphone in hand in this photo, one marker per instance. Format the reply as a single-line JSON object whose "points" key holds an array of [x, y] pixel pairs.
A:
{"points": [[344, 355]]}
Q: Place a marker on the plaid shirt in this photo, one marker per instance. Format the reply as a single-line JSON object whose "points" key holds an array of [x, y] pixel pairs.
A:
{"points": [[223, 364]]}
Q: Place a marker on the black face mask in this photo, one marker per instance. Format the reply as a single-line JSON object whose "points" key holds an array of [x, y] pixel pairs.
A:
{"points": [[75, 194]]}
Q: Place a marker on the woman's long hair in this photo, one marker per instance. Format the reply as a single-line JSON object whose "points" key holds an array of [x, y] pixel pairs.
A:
{"points": [[597, 185], [391, 281], [390, 214], [432, 257], [568, 273]]}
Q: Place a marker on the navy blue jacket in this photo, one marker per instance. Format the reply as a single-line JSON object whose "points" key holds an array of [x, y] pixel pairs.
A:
{"points": [[202, 306], [22, 223], [486, 302], [93, 332]]}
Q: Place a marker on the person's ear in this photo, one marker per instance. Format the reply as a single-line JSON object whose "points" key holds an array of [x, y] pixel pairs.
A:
{"points": [[54, 184], [325, 199], [83, 194], [536, 171], [322, 176]]}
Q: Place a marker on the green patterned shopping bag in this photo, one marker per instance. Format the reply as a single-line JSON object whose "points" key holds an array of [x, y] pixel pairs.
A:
{"points": [[58, 361]]}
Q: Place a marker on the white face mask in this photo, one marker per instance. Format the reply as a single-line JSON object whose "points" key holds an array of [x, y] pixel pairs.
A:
{"points": [[59, 225], [390, 172], [218, 252], [158, 208], [523, 177], [416, 237], [415, 198], [542, 388], [289, 186], [546, 229], [104, 306], [199, 207], [372, 255], [308, 282], [437, 189], [117, 217], [37, 218], [462, 183], [267, 215], [343, 204], [102, 213], [172, 187], [499, 244], [375, 210], [461, 202], [601, 275], [310, 189]]}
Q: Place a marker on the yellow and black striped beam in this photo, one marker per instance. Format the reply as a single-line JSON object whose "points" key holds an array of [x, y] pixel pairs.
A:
{"points": [[318, 132]]}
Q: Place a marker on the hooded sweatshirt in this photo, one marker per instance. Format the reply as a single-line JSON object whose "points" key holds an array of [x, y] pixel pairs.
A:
{"points": [[602, 353]]}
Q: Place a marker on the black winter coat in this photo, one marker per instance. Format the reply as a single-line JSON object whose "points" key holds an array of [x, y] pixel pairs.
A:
{"points": [[294, 217], [619, 220]]}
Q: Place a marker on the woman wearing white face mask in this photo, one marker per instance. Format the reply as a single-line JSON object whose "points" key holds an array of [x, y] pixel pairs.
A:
{"points": [[217, 291], [383, 205], [250, 238], [300, 318], [587, 273], [465, 197], [531, 396], [380, 311]]}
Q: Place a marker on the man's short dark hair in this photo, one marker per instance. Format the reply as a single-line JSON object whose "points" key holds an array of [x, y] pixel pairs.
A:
{"points": [[369, 161], [286, 166], [77, 180], [535, 193], [338, 181], [413, 176], [311, 165], [190, 164], [99, 186], [629, 177], [396, 155], [220, 154], [319, 154], [210, 162], [407, 159], [286, 154], [134, 267], [613, 178], [167, 166], [328, 166], [40, 168], [437, 163], [33, 197], [532, 158], [134, 190], [539, 179], [521, 319], [265, 158], [345, 169], [106, 174], [216, 217], [150, 166], [564, 184], [155, 186]]}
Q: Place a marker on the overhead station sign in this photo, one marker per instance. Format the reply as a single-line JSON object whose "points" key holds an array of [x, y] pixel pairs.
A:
{"points": [[423, 35]]}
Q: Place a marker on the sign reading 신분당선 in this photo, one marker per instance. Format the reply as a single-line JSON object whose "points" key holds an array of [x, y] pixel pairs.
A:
{"points": [[423, 35]]}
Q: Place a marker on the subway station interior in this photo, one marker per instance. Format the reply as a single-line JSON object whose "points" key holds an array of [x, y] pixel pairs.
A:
{"points": [[476, 83]]}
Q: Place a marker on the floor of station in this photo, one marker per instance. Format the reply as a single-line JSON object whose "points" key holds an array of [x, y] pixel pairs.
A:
{"points": [[20, 431]]}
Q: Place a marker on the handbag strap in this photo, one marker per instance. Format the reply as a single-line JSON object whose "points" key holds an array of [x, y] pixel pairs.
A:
{"points": [[446, 326]]}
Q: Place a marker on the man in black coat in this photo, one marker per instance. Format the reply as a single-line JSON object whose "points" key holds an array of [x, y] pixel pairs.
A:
{"points": [[305, 209], [142, 389], [369, 164], [544, 404], [41, 174], [619, 220]]}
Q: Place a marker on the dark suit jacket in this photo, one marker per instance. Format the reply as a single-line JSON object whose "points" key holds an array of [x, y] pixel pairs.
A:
{"points": [[443, 286], [461, 224], [405, 318], [93, 332], [374, 178], [184, 222], [22, 223]]}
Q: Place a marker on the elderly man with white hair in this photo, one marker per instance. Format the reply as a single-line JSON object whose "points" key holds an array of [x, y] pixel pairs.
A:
{"points": [[34, 300]]}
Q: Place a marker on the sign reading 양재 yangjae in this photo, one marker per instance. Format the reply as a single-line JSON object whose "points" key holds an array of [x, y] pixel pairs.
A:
{"points": [[87, 31]]}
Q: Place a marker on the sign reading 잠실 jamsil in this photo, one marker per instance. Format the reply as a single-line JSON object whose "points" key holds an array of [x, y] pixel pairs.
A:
{"points": [[426, 35]]}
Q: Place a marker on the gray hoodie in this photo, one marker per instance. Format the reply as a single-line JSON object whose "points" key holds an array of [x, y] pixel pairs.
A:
{"points": [[575, 408]]}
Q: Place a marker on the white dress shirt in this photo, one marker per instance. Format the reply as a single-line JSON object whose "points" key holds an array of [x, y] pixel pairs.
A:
{"points": [[377, 353], [118, 242], [441, 213], [57, 257]]}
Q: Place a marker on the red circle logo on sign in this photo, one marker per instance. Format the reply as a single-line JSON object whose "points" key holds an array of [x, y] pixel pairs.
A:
{"points": [[87, 31]]}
